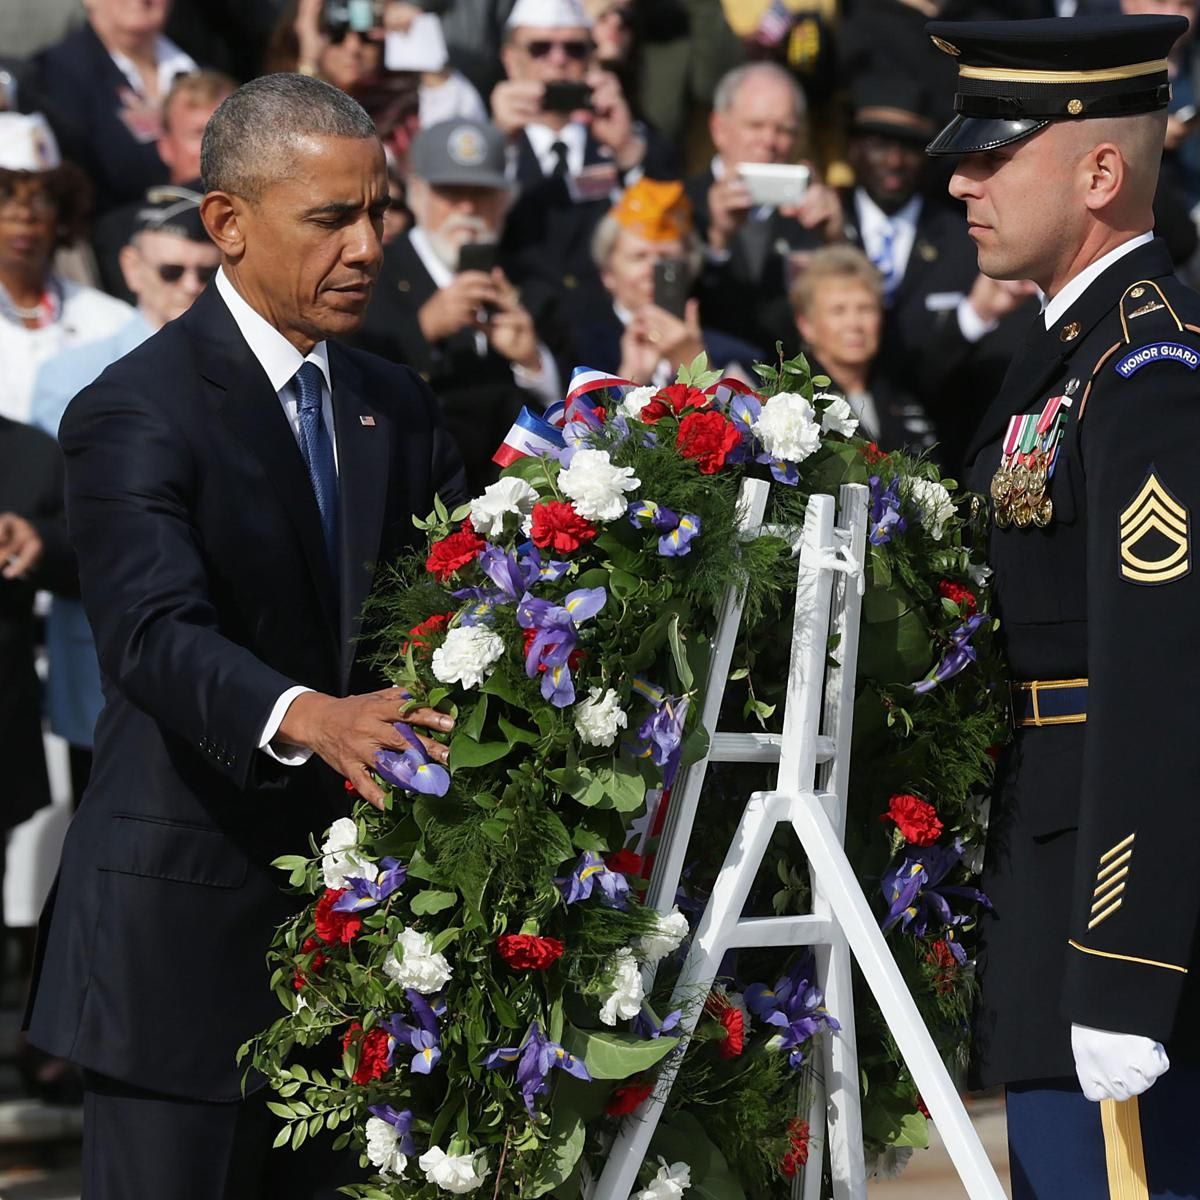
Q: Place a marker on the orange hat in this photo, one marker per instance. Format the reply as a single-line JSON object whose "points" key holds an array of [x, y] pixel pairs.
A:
{"points": [[655, 209]]}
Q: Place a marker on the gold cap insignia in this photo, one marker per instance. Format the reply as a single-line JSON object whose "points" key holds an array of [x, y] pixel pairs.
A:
{"points": [[1137, 291], [946, 47], [1069, 332], [1154, 535], [1074, 107]]}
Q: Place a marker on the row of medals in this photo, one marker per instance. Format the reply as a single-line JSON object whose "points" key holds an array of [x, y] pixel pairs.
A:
{"points": [[1019, 491]]}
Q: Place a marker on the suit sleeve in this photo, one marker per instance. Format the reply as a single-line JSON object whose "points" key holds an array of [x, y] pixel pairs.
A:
{"points": [[1136, 892], [57, 571], [130, 478], [447, 473]]}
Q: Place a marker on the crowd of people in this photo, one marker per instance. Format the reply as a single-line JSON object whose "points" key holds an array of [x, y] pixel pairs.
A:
{"points": [[566, 188]]}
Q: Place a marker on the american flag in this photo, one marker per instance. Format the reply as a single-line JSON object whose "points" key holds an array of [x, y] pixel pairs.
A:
{"points": [[775, 23]]}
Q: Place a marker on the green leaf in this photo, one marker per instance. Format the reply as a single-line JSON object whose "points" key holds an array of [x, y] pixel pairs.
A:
{"points": [[432, 900], [501, 686], [466, 752], [280, 1110], [281, 1138], [506, 1014], [299, 1134], [515, 733], [682, 668], [558, 1158], [289, 862], [472, 727], [622, 584], [615, 1055]]}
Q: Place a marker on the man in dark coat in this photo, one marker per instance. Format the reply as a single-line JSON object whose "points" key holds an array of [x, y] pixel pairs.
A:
{"points": [[232, 485], [1088, 967]]}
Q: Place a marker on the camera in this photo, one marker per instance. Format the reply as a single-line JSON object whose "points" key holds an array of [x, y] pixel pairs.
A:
{"points": [[339, 17]]}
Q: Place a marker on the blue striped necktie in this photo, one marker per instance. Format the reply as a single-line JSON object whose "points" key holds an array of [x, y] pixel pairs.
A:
{"points": [[885, 260], [317, 450]]}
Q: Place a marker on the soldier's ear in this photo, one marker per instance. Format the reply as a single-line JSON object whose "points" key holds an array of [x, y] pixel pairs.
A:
{"points": [[1106, 175]]}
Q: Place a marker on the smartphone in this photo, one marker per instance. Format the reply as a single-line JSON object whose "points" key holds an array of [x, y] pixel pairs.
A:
{"points": [[671, 285], [477, 256], [565, 96]]}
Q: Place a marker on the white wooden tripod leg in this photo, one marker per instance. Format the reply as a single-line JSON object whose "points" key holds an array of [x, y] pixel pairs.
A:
{"points": [[839, 1062], [828, 860], [711, 939]]}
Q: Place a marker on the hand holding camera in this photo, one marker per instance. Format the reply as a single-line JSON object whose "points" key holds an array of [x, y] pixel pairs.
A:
{"points": [[461, 304]]}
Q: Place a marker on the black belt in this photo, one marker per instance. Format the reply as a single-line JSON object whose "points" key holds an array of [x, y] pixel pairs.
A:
{"points": [[1040, 702]]}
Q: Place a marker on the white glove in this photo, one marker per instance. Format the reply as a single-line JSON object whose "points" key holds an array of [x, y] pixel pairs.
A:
{"points": [[1115, 1066]]}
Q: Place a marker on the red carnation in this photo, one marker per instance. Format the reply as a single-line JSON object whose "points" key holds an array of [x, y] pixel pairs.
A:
{"points": [[872, 453], [942, 956], [625, 862], [627, 1098], [798, 1135], [560, 527], [454, 552], [527, 952], [335, 927], [916, 819], [673, 400], [299, 978], [373, 1054], [958, 593], [707, 438], [423, 629], [731, 1019]]}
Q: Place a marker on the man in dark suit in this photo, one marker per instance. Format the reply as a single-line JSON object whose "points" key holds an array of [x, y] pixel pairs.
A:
{"points": [[446, 309], [231, 486]]}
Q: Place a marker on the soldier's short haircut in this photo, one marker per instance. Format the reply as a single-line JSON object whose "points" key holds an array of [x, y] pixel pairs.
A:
{"points": [[249, 140]]}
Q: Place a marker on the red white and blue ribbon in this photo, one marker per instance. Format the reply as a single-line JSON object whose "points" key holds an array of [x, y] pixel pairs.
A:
{"points": [[530, 436]]}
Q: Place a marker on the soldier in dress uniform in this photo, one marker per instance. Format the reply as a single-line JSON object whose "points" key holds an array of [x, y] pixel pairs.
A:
{"points": [[1088, 457]]}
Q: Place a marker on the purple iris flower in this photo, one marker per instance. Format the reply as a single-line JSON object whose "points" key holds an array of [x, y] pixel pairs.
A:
{"points": [[660, 735], [677, 532], [400, 1120], [423, 1037], [678, 542], [647, 1025], [556, 635], [503, 569], [412, 769], [916, 895], [961, 655], [536, 570], [591, 872], [795, 1005], [364, 894], [535, 1058], [886, 521], [744, 411]]}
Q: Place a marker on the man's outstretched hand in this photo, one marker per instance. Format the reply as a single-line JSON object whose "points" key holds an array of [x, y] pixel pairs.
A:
{"points": [[347, 733]]}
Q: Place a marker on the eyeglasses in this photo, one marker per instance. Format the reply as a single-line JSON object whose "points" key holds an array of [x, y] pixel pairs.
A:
{"points": [[174, 272], [572, 48]]}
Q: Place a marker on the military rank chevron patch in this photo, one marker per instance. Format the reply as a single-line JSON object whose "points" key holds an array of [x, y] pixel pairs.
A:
{"points": [[1155, 536]]}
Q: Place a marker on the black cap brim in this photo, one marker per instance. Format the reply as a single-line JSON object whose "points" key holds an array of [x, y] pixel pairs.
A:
{"points": [[970, 135]]}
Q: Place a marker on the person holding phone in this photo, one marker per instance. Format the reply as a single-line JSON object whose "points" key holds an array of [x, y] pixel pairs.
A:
{"points": [[447, 309], [648, 256]]}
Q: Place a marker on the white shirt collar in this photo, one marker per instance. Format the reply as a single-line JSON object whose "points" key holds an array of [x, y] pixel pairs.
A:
{"points": [[871, 217], [1075, 288], [171, 61], [542, 138], [441, 274], [277, 356]]}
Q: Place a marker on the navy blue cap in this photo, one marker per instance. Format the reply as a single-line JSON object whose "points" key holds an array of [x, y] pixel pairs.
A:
{"points": [[1015, 77]]}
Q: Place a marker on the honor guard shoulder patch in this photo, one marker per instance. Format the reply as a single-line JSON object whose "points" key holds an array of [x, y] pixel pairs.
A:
{"points": [[1154, 535], [1130, 364]]}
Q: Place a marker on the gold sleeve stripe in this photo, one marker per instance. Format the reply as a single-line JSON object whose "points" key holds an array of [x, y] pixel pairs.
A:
{"points": [[1111, 895], [1112, 866], [1109, 882], [1099, 917], [1116, 849], [1124, 1155], [1129, 958]]}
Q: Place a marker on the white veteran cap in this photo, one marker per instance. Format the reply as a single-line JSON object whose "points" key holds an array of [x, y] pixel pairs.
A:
{"points": [[549, 14], [27, 143]]}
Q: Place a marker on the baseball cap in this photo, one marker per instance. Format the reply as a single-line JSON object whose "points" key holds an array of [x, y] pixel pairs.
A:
{"points": [[459, 152]]}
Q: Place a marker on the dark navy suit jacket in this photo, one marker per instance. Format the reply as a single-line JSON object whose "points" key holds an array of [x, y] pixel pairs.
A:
{"points": [[205, 579]]}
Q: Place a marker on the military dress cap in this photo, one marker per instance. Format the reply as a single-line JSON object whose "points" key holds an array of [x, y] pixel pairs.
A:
{"points": [[1015, 77], [889, 106]]}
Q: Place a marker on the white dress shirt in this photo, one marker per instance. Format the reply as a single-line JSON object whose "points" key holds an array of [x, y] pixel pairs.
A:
{"points": [[170, 59], [873, 225], [281, 360], [542, 139], [1071, 292]]}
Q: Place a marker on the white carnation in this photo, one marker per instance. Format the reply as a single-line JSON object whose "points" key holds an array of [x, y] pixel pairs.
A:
{"points": [[457, 1173], [979, 574], [596, 487], [838, 417], [890, 1163], [672, 929], [340, 859], [787, 428], [383, 1148], [467, 655], [625, 1000], [635, 400], [417, 967], [599, 717], [934, 503], [669, 1184], [505, 496]]}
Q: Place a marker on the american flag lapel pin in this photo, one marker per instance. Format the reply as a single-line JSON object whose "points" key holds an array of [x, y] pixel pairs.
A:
{"points": [[369, 422]]}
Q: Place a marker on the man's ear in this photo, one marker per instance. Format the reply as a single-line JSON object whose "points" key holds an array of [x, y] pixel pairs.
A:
{"points": [[224, 216], [1106, 175], [127, 260]]}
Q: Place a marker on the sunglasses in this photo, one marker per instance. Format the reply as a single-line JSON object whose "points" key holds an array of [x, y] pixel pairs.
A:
{"points": [[174, 272], [572, 48]]}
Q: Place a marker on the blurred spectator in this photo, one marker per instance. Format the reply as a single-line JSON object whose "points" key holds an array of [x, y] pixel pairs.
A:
{"points": [[838, 304], [193, 98], [758, 117], [102, 89], [303, 41], [457, 319], [397, 218], [573, 144], [27, 26], [634, 336], [167, 263], [42, 205]]}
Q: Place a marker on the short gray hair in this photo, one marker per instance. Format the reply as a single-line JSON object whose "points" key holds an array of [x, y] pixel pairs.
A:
{"points": [[730, 83], [248, 139]]}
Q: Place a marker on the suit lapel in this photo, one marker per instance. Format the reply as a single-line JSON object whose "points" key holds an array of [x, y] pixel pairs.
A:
{"points": [[364, 441], [251, 409]]}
